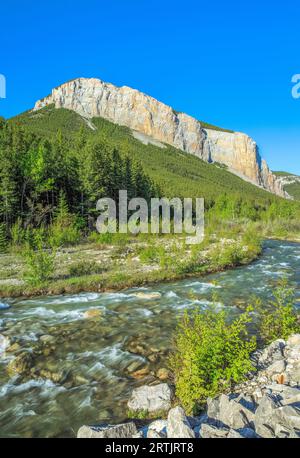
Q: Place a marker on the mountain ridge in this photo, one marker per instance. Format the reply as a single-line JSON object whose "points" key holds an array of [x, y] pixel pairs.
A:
{"points": [[91, 97]]}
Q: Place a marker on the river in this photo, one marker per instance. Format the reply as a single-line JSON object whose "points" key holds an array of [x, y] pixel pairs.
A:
{"points": [[81, 371]]}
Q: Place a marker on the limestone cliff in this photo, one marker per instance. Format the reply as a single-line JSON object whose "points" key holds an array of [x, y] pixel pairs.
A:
{"points": [[125, 106]]}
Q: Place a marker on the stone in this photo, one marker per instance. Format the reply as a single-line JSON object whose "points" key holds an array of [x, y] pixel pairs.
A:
{"points": [[92, 313], [141, 373], [163, 374], [272, 353], [276, 368], [178, 424], [233, 413], [159, 426], [208, 431], [21, 364], [125, 430], [47, 339], [148, 398], [151, 119], [4, 343], [13, 348], [293, 340], [264, 415]]}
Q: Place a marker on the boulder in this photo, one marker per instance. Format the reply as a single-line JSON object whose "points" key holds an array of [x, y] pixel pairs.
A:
{"points": [[125, 430], [151, 399], [208, 431], [234, 413], [178, 426], [293, 340], [272, 353]]}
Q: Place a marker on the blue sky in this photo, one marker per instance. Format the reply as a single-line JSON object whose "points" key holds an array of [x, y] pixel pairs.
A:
{"points": [[229, 63]]}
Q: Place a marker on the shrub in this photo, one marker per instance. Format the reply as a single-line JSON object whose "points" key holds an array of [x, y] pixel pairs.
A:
{"points": [[39, 262], [278, 319], [85, 268], [211, 353], [149, 254]]}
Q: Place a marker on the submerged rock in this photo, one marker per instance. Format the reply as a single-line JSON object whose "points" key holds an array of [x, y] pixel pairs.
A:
{"points": [[21, 364], [4, 343]]}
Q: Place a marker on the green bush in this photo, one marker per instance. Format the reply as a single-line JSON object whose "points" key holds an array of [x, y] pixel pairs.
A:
{"points": [[149, 254], [85, 268], [39, 262], [278, 319], [211, 353]]}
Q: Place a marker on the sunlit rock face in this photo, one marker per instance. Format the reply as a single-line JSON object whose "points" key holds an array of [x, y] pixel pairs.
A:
{"points": [[92, 97]]}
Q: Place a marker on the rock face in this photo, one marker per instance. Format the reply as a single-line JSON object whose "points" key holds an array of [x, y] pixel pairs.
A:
{"points": [[92, 97]]}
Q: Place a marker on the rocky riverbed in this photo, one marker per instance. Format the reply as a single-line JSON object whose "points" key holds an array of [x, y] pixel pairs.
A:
{"points": [[267, 405]]}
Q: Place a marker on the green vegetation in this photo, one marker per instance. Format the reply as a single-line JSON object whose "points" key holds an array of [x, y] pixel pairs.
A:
{"points": [[211, 354], [278, 319], [39, 262]]}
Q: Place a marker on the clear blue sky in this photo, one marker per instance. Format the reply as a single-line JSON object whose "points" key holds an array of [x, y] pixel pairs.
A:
{"points": [[225, 62]]}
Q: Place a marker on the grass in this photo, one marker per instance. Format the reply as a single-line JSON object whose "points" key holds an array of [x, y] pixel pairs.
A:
{"points": [[140, 261]]}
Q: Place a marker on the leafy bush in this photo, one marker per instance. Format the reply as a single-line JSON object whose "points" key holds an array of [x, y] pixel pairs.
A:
{"points": [[39, 262], [149, 254], [85, 268], [210, 354], [64, 230], [278, 319]]}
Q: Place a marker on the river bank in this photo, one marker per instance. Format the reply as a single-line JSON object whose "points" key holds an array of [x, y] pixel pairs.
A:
{"points": [[133, 263]]}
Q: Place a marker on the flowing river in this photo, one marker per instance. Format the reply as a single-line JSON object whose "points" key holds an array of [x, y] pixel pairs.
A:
{"points": [[79, 357]]}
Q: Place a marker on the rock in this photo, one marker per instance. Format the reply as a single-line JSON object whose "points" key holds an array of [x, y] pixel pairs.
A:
{"points": [[234, 413], [153, 121], [4, 343], [159, 426], [92, 313], [178, 424], [152, 434], [293, 340], [212, 432], [263, 417], [141, 295], [272, 353], [14, 347], [125, 430], [21, 364], [163, 374], [148, 398], [276, 368], [141, 373], [47, 339]]}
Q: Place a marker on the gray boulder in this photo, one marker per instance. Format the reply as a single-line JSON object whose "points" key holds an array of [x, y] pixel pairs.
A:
{"points": [[151, 398], [125, 430], [178, 424], [234, 413], [208, 431]]}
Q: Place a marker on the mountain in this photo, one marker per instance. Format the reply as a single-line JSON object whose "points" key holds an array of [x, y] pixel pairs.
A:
{"points": [[176, 172], [153, 121], [290, 183]]}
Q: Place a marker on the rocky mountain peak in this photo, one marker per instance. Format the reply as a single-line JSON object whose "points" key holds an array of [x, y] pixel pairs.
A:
{"points": [[91, 97]]}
